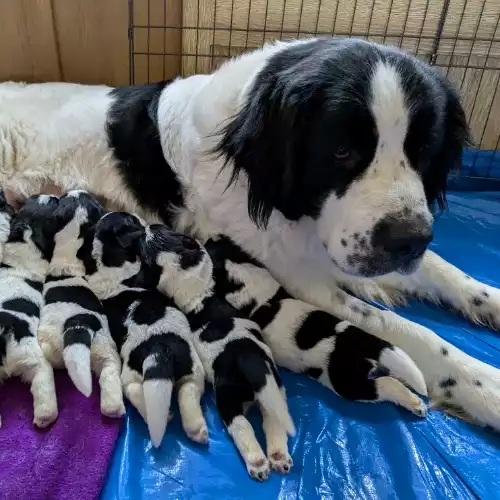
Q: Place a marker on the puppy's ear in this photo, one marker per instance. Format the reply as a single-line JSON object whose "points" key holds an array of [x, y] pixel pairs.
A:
{"points": [[449, 156], [127, 237], [266, 138]]}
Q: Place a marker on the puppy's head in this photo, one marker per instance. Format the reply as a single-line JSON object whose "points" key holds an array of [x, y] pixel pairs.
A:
{"points": [[183, 264], [118, 240], [357, 136], [80, 206], [35, 225]]}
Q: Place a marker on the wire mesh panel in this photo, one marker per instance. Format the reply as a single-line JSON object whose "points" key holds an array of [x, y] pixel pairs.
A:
{"points": [[460, 37]]}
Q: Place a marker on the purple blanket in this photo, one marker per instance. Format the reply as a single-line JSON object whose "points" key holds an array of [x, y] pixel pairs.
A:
{"points": [[67, 460]]}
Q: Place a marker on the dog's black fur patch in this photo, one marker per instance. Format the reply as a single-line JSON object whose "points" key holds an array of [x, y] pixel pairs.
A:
{"points": [[133, 135]]}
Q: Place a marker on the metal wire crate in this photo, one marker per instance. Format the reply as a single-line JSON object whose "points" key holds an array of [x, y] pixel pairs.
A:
{"points": [[460, 37]]}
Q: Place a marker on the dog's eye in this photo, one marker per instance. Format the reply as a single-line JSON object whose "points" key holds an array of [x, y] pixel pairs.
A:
{"points": [[342, 153]]}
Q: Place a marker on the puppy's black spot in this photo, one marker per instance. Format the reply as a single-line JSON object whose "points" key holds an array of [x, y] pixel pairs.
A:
{"points": [[12, 325], [5, 266], [477, 383], [448, 394], [317, 326], [444, 351], [314, 372], [485, 294], [59, 277], [356, 236], [80, 329], [344, 242], [24, 306], [151, 309], [80, 295], [171, 353], [476, 301], [265, 314], [36, 285], [402, 163], [448, 382]]}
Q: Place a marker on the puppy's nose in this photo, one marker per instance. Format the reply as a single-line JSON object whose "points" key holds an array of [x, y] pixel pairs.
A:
{"points": [[403, 238]]}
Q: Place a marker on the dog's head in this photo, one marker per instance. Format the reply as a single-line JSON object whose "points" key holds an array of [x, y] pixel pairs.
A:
{"points": [[357, 136], [183, 266]]}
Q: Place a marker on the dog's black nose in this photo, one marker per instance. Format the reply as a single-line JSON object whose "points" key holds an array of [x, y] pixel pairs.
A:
{"points": [[403, 239]]}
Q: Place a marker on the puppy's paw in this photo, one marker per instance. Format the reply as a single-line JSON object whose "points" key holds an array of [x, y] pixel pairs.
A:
{"points": [[280, 461], [112, 407], [198, 433], [418, 407], [45, 414], [258, 467]]}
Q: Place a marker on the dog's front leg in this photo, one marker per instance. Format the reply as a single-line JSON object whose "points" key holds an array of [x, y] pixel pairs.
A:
{"points": [[455, 381], [437, 280]]}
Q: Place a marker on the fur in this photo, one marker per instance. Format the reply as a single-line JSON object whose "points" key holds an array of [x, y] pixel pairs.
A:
{"points": [[73, 331], [236, 360], [26, 255], [304, 339], [153, 336], [322, 158]]}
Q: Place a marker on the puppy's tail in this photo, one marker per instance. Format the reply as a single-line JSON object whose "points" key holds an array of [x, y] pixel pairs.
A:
{"points": [[399, 365], [253, 367], [78, 333], [158, 373]]}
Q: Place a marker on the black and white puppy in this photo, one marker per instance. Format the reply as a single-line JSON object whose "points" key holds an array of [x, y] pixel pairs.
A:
{"points": [[73, 330], [26, 256], [304, 339], [154, 337], [237, 362]]}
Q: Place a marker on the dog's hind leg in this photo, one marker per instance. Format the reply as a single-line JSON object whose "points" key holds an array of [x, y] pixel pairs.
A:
{"points": [[106, 365], [229, 402], [190, 391], [276, 441], [36, 370]]}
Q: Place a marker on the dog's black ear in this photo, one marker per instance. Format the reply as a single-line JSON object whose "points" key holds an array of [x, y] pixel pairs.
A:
{"points": [[449, 156], [266, 138]]}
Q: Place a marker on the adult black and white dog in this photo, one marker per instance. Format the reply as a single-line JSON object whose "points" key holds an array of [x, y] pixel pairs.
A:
{"points": [[321, 158]]}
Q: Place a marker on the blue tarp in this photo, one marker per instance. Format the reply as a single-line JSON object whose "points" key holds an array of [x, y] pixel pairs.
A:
{"points": [[345, 450]]}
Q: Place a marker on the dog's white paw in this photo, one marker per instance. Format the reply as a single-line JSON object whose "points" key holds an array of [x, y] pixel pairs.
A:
{"points": [[258, 467], [481, 303], [280, 461], [468, 389]]}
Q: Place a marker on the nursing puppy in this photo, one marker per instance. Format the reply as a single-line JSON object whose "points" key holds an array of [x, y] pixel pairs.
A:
{"points": [[153, 336], [26, 256], [304, 339], [237, 362], [73, 330]]}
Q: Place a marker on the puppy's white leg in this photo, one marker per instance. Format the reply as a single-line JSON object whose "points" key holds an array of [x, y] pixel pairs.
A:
{"points": [[392, 390], [244, 438], [193, 421], [276, 442], [51, 344], [36, 370], [454, 379], [132, 387], [107, 365]]}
